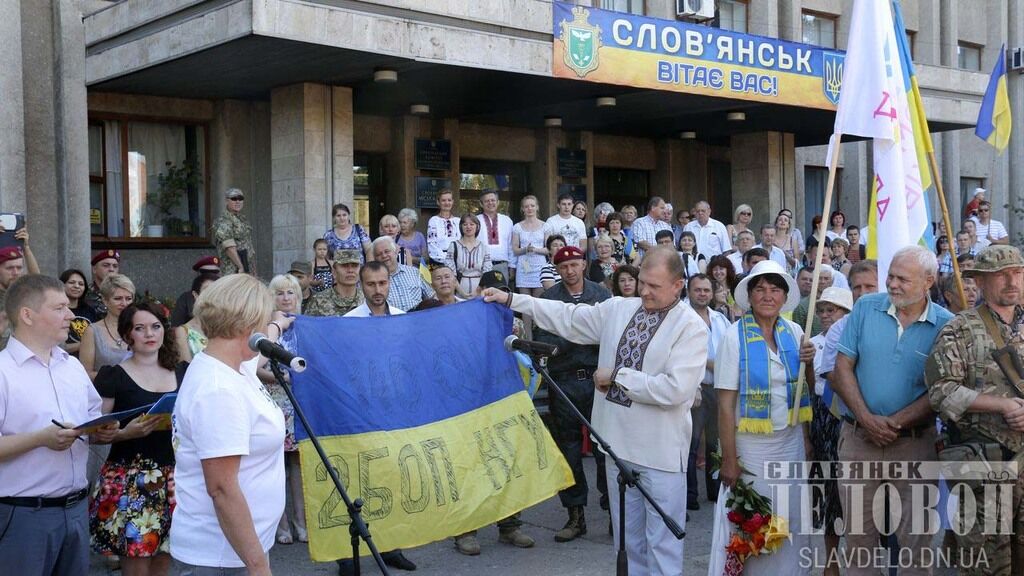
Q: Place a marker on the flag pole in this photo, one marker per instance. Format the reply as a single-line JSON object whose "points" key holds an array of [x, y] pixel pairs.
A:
{"points": [[812, 299], [950, 237]]}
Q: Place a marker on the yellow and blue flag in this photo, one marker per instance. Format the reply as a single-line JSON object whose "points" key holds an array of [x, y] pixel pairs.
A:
{"points": [[426, 420], [994, 119]]}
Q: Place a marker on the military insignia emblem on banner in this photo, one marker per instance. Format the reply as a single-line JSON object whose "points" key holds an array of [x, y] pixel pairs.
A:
{"points": [[581, 41], [832, 75]]}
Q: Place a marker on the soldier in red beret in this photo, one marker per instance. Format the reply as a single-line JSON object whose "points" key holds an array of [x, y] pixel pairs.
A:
{"points": [[207, 266], [104, 263]]}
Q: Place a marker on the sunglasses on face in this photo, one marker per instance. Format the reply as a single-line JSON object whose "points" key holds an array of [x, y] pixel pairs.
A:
{"points": [[237, 198]]}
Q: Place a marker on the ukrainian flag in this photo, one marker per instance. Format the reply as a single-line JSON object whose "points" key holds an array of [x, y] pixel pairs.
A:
{"points": [[426, 418], [994, 119]]}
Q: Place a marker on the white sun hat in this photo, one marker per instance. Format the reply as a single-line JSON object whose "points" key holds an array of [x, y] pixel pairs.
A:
{"points": [[761, 269]]}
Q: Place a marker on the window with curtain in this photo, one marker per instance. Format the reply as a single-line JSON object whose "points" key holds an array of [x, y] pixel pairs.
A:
{"points": [[631, 6], [968, 185], [732, 15], [968, 56], [819, 29], [148, 180]]}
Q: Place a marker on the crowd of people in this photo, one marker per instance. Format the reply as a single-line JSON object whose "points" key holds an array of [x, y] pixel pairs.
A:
{"points": [[680, 335]]}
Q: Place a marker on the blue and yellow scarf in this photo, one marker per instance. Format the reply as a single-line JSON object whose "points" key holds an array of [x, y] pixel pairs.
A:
{"points": [[755, 375]]}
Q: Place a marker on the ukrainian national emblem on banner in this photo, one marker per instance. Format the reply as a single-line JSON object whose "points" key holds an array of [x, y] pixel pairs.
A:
{"points": [[581, 41], [426, 418], [832, 75]]}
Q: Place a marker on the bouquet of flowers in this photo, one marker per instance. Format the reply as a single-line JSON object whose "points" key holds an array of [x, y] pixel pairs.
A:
{"points": [[755, 530]]}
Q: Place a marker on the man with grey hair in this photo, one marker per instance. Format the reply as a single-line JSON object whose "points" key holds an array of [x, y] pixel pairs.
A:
{"points": [[712, 236], [651, 359], [408, 288], [879, 374], [233, 236], [645, 229]]}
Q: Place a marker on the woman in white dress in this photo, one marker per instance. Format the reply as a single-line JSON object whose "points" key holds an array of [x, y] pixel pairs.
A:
{"points": [[528, 246], [756, 368]]}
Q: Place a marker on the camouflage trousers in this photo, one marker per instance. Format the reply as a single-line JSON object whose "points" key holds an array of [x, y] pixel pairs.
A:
{"points": [[992, 554]]}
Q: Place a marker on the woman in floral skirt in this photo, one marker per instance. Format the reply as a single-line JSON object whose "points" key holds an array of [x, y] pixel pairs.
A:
{"points": [[130, 509]]}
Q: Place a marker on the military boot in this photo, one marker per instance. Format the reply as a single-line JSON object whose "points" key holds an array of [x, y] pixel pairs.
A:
{"points": [[575, 527]]}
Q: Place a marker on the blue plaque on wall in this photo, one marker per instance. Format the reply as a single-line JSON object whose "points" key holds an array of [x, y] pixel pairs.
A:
{"points": [[578, 191], [572, 163], [433, 154], [427, 189]]}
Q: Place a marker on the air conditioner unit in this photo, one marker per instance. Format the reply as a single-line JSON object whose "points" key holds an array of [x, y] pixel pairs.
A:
{"points": [[1017, 59], [696, 9]]}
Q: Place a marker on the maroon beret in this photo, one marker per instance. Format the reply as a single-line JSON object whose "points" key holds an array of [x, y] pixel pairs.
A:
{"points": [[568, 253], [211, 261], [10, 253], [104, 254]]}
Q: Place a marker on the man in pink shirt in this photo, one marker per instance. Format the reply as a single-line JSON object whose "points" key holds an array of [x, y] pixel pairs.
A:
{"points": [[43, 497]]}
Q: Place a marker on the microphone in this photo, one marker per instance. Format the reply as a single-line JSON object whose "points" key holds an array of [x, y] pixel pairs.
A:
{"points": [[530, 346], [272, 350]]}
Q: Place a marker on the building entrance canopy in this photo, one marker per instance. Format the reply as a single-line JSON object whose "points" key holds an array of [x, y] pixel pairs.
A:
{"points": [[667, 77]]}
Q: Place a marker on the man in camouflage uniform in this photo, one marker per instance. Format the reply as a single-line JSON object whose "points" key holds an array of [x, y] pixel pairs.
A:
{"points": [[980, 405], [104, 263], [233, 236], [345, 295]]}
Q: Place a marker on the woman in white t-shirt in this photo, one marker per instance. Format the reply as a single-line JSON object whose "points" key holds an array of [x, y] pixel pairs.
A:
{"points": [[228, 435]]}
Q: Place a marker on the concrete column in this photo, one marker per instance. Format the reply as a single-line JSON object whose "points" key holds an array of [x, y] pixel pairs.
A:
{"points": [[12, 113], [342, 148], [763, 171], [789, 23], [763, 18], [949, 33], [300, 210], [927, 45], [855, 183], [949, 166], [401, 165], [1015, 150], [72, 232], [587, 145], [681, 174], [544, 172]]}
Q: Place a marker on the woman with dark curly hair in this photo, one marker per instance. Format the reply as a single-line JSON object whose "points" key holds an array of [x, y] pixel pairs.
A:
{"points": [[130, 509], [625, 280]]}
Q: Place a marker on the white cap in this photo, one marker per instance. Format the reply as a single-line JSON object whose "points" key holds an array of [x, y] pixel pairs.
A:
{"points": [[839, 296]]}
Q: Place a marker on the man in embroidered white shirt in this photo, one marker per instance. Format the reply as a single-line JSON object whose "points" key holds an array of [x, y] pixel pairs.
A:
{"points": [[653, 353], [496, 233], [712, 236]]}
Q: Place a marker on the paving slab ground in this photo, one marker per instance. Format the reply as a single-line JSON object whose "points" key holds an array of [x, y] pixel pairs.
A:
{"points": [[591, 555]]}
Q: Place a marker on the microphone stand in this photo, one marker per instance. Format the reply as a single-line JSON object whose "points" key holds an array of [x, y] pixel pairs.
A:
{"points": [[357, 528], [627, 476]]}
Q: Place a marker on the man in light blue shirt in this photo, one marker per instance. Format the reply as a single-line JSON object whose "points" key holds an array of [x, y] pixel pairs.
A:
{"points": [[879, 374]]}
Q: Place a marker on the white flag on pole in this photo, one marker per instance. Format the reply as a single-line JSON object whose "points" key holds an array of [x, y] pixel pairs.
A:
{"points": [[873, 104]]}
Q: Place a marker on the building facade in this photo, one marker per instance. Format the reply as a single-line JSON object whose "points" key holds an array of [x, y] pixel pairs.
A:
{"points": [[125, 121]]}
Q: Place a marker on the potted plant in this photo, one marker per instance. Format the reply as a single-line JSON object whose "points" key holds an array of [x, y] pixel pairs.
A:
{"points": [[172, 185]]}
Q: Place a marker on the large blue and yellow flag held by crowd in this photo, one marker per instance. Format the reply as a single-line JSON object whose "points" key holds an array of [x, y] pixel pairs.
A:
{"points": [[426, 419]]}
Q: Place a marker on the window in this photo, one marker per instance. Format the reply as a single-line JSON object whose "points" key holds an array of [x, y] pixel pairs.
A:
{"points": [[911, 40], [815, 182], [631, 6], [819, 29], [732, 15], [967, 186], [968, 56], [148, 179], [507, 178]]}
